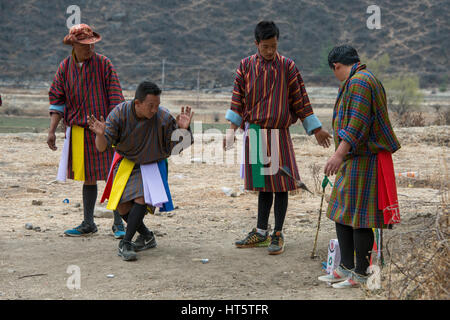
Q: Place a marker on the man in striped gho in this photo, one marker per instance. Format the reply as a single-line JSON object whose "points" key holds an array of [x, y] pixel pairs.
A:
{"points": [[85, 83], [268, 97]]}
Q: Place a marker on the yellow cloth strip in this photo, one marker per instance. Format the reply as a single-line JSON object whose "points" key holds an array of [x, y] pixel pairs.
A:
{"points": [[119, 183], [77, 135]]}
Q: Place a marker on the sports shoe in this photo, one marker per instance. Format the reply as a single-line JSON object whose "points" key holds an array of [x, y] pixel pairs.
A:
{"points": [[126, 251], [339, 274], [144, 242], [83, 229], [118, 231], [277, 244], [150, 209], [354, 281], [253, 239]]}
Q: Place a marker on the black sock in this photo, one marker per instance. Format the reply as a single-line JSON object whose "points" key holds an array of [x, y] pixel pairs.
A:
{"points": [[363, 239], [89, 199], [117, 218], [280, 208], [134, 220], [346, 246], [142, 229], [265, 200]]}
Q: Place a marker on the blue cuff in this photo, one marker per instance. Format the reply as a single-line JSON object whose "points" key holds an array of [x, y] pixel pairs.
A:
{"points": [[233, 117], [310, 123], [57, 108]]}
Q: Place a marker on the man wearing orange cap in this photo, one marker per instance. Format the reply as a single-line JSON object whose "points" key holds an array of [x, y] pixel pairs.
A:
{"points": [[86, 83]]}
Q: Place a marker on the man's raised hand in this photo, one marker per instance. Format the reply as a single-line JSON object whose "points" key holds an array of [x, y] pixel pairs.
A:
{"points": [[185, 117], [97, 126]]}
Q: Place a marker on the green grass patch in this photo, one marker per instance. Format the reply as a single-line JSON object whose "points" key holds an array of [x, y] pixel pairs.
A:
{"points": [[23, 124], [10, 124]]}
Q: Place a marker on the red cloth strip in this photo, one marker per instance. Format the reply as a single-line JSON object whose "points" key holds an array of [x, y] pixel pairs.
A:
{"points": [[109, 182], [387, 189]]}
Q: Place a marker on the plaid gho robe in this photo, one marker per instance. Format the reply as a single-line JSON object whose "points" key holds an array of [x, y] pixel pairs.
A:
{"points": [[360, 117], [76, 93]]}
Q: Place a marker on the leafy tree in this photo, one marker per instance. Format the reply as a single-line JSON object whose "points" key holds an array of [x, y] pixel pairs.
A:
{"points": [[379, 67], [324, 68], [403, 93], [444, 83], [402, 90]]}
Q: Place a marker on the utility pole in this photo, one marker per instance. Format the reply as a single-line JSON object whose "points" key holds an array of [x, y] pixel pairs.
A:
{"points": [[198, 87], [163, 73]]}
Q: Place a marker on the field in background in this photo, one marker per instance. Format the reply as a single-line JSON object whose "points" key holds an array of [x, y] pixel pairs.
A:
{"points": [[26, 110]]}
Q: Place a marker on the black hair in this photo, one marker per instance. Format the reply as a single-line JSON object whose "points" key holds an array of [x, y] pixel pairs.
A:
{"points": [[266, 30], [145, 88], [344, 54]]}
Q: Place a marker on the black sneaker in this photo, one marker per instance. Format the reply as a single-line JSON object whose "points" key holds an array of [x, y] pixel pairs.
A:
{"points": [[253, 239], [126, 251], [145, 242], [83, 229]]}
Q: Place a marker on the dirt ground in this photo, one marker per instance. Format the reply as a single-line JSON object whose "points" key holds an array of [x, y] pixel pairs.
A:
{"points": [[34, 264]]}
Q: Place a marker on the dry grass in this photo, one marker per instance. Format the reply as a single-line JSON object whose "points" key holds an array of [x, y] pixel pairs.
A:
{"points": [[418, 263], [316, 172]]}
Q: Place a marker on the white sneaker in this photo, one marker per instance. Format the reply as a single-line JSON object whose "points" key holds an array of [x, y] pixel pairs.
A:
{"points": [[339, 274], [355, 281]]}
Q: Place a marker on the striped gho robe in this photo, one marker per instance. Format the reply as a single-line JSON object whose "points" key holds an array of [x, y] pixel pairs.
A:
{"points": [[271, 94], [360, 117], [76, 93]]}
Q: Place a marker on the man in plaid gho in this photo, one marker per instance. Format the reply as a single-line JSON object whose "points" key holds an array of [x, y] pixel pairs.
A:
{"points": [[364, 194]]}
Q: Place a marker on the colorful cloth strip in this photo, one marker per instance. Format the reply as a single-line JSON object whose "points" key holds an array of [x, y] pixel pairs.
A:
{"points": [[387, 189], [74, 142], [154, 180]]}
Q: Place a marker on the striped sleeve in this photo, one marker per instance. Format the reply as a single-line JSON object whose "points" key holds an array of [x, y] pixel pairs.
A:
{"points": [[298, 98], [56, 94], [112, 83], [234, 114], [113, 127], [358, 109]]}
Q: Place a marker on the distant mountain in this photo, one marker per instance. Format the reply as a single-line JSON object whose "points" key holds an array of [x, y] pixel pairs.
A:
{"points": [[204, 40]]}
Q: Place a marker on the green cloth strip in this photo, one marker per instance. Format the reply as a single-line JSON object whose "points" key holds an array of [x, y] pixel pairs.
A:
{"points": [[326, 182], [255, 161]]}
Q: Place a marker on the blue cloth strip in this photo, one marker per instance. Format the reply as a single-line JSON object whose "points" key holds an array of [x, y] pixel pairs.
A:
{"points": [[310, 123], [233, 117], [164, 170], [54, 107]]}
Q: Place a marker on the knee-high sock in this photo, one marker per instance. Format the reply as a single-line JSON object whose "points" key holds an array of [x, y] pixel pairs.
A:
{"points": [[265, 200], [117, 218], [280, 208], [346, 245], [363, 242], [89, 199], [142, 229]]}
